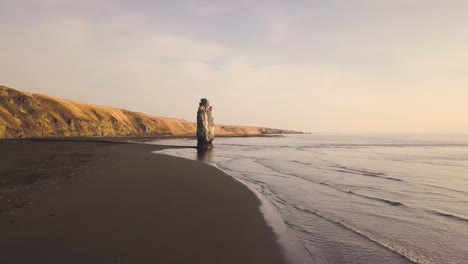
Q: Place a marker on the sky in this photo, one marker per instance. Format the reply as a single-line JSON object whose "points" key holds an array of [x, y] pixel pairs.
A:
{"points": [[330, 66]]}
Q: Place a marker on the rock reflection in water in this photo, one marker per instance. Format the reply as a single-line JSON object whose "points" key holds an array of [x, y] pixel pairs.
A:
{"points": [[205, 155]]}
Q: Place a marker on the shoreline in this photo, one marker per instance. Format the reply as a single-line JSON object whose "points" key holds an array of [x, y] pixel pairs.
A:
{"points": [[113, 193], [292, 250]]}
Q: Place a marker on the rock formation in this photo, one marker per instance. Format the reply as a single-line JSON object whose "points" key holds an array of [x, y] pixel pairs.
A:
{"points": [[205, 125], [26, 115]]}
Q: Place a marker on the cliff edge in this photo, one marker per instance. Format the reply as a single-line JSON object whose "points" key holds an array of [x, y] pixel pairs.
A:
{"points": [[25, 115]]}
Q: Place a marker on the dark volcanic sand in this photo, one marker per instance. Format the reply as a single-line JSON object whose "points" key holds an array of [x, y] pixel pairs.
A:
{"points": [[98, 202]]}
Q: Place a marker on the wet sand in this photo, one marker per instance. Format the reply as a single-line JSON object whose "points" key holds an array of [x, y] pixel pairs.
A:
{"points": [[100, 202]]}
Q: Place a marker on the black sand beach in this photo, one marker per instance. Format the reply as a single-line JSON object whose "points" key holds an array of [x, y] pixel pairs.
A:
{"points": [[101, 202]]}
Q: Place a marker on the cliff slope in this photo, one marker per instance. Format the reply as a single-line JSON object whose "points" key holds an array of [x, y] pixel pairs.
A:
{"points": [[24, 115]]}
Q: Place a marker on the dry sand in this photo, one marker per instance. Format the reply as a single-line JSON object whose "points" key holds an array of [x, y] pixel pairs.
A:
{"points": [[98, 202]]}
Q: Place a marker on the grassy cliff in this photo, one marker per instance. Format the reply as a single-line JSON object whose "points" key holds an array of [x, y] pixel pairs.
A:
{"points": [[24, 115]]}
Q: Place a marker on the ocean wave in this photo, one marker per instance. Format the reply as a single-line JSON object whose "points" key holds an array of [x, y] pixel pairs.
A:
{"points": [[390, 145], [250, 146], [345, 169], [301, 162], [387, 244], [445, 188], [392, 203], [449, 215], [266, 163]]}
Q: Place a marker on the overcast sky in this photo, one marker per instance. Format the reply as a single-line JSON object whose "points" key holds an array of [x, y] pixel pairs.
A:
{"points": [[349, 66]]}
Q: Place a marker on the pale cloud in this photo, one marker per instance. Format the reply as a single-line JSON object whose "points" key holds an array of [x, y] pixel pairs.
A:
{"points": [[307, 72]]}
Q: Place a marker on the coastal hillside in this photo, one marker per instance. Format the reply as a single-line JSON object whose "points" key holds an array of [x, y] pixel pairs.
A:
{"points": [[24, 115]]}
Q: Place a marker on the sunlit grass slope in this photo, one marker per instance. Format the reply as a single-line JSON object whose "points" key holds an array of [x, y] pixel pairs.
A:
{"points": [[24, 114]]}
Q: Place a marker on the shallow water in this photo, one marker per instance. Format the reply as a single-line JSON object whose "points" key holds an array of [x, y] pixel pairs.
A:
{"points": [[355, 199]]}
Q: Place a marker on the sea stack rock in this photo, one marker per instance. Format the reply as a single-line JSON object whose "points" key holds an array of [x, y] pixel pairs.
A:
{"points": [[205, 125]]}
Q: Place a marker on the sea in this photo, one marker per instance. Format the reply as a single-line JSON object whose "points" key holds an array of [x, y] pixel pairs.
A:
{"points": [[353, 198]]}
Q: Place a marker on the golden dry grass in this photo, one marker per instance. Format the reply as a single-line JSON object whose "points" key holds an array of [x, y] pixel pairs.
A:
{"points": [[24, 114]]}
